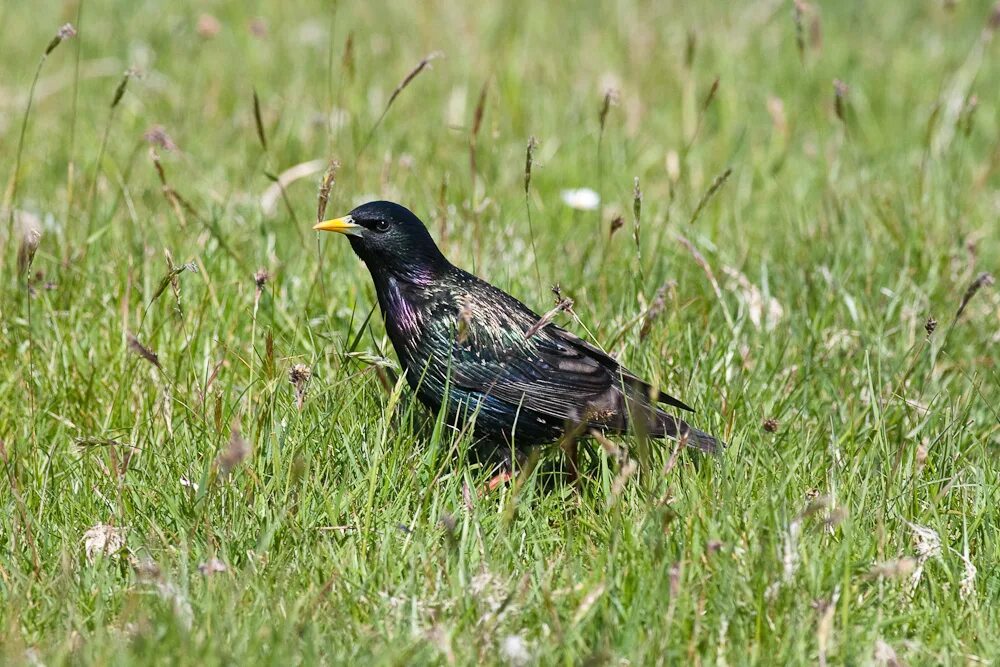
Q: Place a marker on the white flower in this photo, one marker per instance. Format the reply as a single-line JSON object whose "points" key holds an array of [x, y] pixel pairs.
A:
{"points": [[582, 199], [514, 651]]}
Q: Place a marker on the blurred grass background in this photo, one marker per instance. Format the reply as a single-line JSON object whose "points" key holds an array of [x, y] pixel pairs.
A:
{"points": [[859, 524]]}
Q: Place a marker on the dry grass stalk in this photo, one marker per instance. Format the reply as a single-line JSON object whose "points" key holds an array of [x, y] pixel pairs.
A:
{"points": [[711, 95], [655, 309], [279, 182], [347, 59], [258, 121], [421, 66], [325, 185], [719, 181], [22, 509], [477, 121], [65, 32], [122, 85], [138, 348], [299, 376], [587, 603], [617, 223], [564, 305], [703, 263], [610, 99], [464, 320], [31, 236], [177, 203], [982, 280], [171, 278], [157, 135], [840, 91], [637, 216], [529, 156], [798, 12]]}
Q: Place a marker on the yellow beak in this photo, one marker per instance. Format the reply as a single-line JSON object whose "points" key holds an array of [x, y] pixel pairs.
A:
{"points": [[344, 225]]}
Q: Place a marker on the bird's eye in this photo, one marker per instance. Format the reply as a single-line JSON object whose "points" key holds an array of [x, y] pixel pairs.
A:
{"points": [[382, 226]]}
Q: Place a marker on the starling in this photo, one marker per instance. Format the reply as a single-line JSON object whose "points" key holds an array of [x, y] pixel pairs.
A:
{"points": [[461, 341]]}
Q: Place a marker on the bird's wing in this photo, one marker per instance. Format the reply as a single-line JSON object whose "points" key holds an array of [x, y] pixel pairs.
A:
{"points": [[552, 371]]}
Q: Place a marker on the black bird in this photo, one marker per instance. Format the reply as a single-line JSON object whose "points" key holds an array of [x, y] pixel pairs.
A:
{"points": [[460, 339]]}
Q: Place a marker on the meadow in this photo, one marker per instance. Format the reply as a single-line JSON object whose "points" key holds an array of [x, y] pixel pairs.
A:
{"points": [[206, 454]]}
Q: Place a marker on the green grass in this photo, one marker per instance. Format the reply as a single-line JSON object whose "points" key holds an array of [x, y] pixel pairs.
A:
{"points": [[337, 529]]}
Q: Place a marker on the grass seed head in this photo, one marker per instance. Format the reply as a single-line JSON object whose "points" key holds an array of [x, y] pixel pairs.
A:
{"points": [[610, 99], [528, 160], [655, 309], [31, 236], [617, 223], [157, 135], [66, 31], [930, 325], [798, 14], [299, 375], [260, 279], [122, 85], [982, 280], [236, 452], [840, 91], [325, 185], [138, 348], [347, 59], [711, 94]]}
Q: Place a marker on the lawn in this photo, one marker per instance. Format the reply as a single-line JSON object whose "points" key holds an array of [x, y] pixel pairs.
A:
{"points": [[207, 457]]}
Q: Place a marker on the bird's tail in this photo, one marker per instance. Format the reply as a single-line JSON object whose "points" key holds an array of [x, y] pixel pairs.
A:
{"points": [[665, 425]]}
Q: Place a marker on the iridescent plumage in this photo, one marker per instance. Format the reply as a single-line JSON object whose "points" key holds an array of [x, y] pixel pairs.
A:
{"points": [[473, 348]]}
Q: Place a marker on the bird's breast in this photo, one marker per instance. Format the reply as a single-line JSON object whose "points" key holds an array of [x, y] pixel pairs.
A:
{"points": [[402, 317]]}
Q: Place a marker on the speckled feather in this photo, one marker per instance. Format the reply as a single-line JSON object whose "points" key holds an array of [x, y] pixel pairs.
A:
{"points": [[462, 342]]}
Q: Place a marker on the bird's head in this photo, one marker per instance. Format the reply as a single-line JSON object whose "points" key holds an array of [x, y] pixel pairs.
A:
{"points": [[389, 238]]}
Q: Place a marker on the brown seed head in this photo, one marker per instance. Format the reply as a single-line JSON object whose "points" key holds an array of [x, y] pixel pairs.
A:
{"points": [[840, 91], [616, 223], [143, 351], [157, 135], [930, 325], [299, 376], [982, 280], [260, 278]]}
